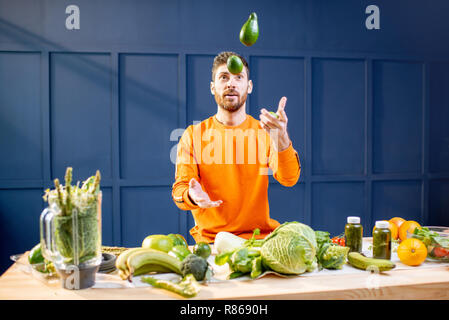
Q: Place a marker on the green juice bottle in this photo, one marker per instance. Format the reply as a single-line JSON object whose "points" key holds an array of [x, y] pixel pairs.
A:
{"points": [[382, 240], [354, 234]]}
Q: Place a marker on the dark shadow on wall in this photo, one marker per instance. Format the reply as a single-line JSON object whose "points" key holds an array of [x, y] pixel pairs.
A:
{"points": [[140, 94]]}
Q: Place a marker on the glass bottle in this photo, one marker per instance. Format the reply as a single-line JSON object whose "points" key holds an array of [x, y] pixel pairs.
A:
{"points": [[382, 240], [354, 234]]}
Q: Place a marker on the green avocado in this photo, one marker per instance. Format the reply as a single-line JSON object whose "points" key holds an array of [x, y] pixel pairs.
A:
{"points": [[250, 31], [235, 64]]}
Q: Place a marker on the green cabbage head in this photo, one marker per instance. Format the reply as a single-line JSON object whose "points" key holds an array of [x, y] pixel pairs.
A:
{"points": [[290, 249]]}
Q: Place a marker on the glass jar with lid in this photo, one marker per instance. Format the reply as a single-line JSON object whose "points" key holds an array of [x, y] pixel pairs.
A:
{"points": [[354, 234], [382, 240]]}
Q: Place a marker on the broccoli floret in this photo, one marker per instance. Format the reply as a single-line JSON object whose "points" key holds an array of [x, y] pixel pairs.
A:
{"points": [[195, 265]]}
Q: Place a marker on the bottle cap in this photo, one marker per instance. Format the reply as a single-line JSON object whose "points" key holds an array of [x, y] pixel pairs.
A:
{"points": [[382, 224], [353, 220]]}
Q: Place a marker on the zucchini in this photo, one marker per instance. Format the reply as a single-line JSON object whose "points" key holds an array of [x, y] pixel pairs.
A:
{"points": [[359, 261]]}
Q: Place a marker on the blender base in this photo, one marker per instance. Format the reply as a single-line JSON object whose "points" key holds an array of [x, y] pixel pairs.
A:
{"points": [[75, 278]]}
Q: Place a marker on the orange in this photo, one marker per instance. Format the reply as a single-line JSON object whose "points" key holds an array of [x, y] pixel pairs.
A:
{"points": [[412, 252], [397, 221], [394, 230], [409, 226]]}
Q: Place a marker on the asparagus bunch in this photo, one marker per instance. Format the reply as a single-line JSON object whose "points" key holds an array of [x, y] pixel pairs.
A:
{"points": [[68, 197]]}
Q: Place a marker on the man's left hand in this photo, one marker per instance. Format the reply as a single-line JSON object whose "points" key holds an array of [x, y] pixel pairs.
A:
{"points": [[276, 126]]}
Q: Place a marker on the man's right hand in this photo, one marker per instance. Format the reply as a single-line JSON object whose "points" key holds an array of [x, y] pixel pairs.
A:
{"points": [[200, 197]]}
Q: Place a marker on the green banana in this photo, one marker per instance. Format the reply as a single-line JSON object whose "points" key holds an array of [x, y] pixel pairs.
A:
{"points": [[138, 259], [145, 269], [120, 263], [148, 268]]}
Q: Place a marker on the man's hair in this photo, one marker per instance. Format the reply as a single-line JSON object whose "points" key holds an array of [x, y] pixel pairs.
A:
{"points": [[222, 58]]}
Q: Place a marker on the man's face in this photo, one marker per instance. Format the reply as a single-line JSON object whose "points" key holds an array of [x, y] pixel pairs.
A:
{"points": [[230, 90]]}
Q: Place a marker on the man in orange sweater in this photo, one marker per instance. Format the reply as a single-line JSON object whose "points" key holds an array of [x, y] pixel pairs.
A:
{"points": [[223, 162]]}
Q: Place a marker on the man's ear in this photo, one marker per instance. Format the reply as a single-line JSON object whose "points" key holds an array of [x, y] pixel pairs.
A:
{"points": [[212, 88], [250, 86]]}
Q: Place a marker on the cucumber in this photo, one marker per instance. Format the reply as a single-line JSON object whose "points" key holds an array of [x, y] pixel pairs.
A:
{"points": [[359, 261]]}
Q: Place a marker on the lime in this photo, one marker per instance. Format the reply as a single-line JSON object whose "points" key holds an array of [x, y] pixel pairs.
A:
{"points": [[158, 242], [274, 114], [235, 65], [202, 249], [250, 31]]}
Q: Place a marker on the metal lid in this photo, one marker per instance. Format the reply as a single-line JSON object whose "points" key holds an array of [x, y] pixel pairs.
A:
{"points": [[353, 220]]}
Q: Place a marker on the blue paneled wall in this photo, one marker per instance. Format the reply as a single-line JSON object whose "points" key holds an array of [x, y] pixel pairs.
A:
{"points": [[368, 109]]}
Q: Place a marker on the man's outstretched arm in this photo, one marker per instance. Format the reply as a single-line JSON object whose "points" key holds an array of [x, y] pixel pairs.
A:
{"points": [[283, 159], [186, 169], [187, 192]]}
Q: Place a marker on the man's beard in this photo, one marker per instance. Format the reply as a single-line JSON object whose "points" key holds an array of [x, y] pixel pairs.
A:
{"points": [[230, 105]]}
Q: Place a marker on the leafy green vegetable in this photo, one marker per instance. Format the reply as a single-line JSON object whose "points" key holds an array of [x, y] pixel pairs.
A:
{"points": [[256, 267], [330, 255], [290, 249], [236, 274], [243, 260], [430, 237], [223, 258], [77, 236], [85, 245], [322, 237], [253, 242], [296, 227]]}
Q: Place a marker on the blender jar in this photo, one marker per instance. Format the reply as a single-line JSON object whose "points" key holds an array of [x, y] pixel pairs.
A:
{"points": [[73, 242]]}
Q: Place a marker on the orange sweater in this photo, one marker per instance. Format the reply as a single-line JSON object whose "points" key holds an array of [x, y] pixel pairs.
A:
{"points": [[231, 163]]}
